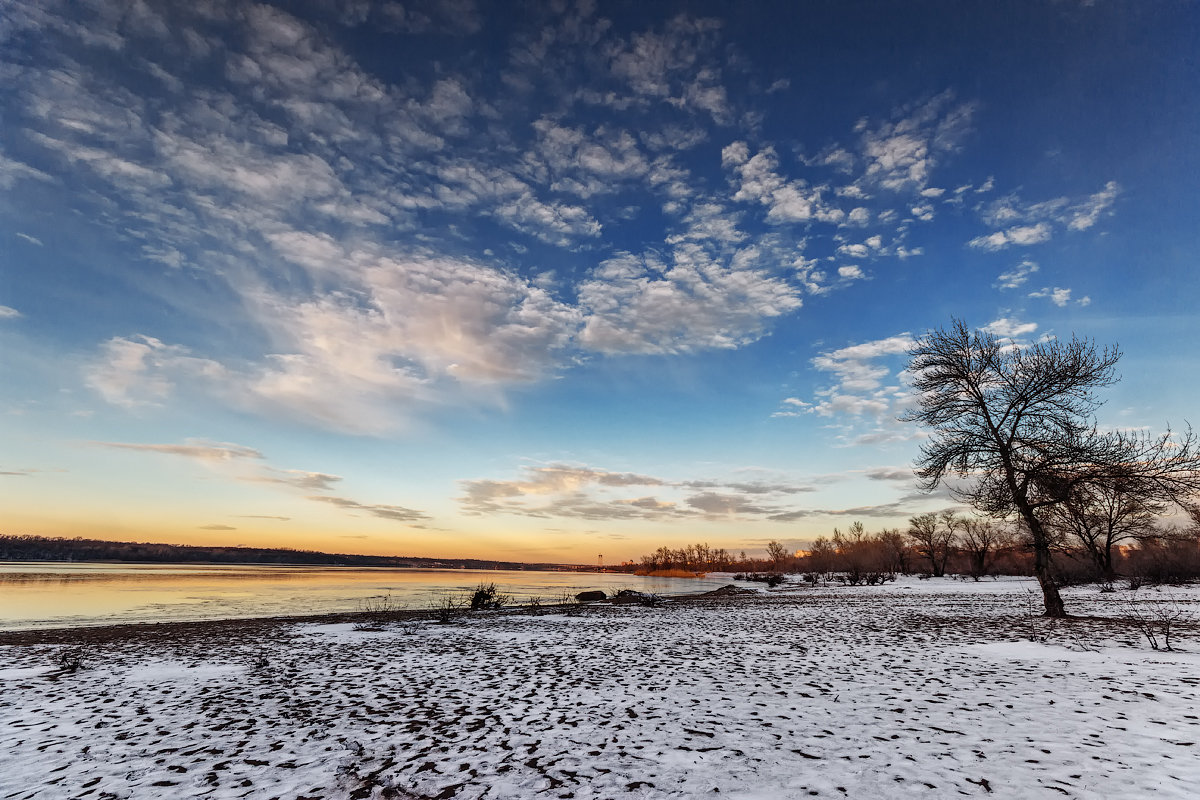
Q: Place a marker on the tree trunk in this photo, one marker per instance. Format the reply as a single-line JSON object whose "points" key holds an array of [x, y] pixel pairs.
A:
{"points": [[1050, 595], [1106, 564], [1041, 567]]}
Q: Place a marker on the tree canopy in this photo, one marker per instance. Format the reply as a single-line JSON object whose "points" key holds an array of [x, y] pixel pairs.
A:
{"points": [[1015, 425]]}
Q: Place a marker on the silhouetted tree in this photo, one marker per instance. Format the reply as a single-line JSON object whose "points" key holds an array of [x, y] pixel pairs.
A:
{"points": [[894, 549], [1016, 424], [932, 536], [980, 540], [777, 554], [1101, 516]]}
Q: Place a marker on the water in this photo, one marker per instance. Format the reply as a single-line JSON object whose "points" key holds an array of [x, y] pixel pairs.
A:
{"points": [[58, 594]]}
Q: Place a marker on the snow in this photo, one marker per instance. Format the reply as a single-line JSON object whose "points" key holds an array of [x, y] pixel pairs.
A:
{"points": [[914, 689]]}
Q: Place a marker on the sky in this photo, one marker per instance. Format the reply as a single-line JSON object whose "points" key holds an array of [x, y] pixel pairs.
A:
{"points": [[561, 281]]}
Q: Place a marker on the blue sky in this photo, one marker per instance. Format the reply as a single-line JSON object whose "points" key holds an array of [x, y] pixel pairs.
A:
{"points": [[550, 281]]}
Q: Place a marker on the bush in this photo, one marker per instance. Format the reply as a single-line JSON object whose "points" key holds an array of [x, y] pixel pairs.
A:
{"points": [[1158, 622], [446, 610], [72, 659], [378, 610], [570, 604], [487, 598], [771, 579]]}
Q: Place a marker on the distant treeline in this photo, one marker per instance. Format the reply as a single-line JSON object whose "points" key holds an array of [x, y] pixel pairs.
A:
{"points": [[43, 548], [950, 543]]}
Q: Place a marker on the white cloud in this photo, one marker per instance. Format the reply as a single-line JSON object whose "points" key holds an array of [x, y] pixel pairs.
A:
{"points": [[675, 66], [1060, 297], [868, 391], [850, 272], [12, 171], [1023, 235], [854, 365], [7, 312], [758, 181], [1016, 276], [1033, 223], [901, 155], [858, 216], [640, 305], [340, 214], [1085, 214], [142, 370], [1008, 328]]}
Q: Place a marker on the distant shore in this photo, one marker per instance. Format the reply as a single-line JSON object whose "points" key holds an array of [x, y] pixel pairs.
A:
{"points": [[49, 548]]}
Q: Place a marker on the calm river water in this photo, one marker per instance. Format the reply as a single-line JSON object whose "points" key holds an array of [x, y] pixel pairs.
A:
{"points": [[58, 594]]}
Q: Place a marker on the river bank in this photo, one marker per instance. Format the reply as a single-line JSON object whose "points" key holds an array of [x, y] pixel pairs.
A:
{"points": [[929, 689]]}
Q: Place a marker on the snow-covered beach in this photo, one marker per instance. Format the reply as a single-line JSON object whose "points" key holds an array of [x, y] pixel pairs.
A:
{"points": [[930, 688]]}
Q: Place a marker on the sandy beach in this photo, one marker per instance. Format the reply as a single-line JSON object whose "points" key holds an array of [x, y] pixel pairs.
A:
{"points": [[935, 688]]}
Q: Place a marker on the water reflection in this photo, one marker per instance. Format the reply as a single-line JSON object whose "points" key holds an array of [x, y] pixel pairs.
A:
{"points": [[49, 594]]}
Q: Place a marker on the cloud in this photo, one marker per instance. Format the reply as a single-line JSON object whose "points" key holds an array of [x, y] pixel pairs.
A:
{"points": [[1060, 297], [247, 466], [1007, 328], [142, 370], [394, 513], [868, 389], [198, 449], [854, 365], [725, 505], [7, 312], [1023, 235], [565, 491], [850, 272], [1026, 223], [11, 172], [31, 239], [641, 305], [757, 180], [899, 474], [299, 479], [1085, 214], [588, 164], [347, 221], [675, 66], [1016, 276], [900, 155], [216, 527]]}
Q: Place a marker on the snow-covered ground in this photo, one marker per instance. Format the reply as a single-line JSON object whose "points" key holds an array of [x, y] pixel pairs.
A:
{"points": [[919, 688]]}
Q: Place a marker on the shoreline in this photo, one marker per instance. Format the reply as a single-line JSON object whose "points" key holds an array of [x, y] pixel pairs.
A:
{"points": [[183, 629]]}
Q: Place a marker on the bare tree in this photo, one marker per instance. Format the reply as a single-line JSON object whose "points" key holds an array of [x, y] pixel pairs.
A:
{"points": [[895, 550], [777, 553], [1017, 424], [932, 536], [980, 540], [1101, 516], [821, 559]]}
